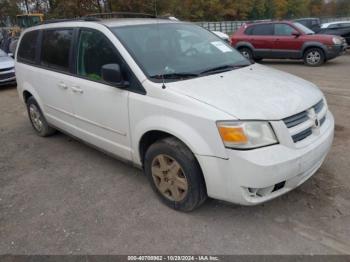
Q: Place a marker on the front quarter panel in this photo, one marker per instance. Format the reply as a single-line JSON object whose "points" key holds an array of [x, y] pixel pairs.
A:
{"points": [[191, 121]]}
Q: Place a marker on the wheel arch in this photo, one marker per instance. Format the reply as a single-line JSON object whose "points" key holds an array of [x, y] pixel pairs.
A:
{"points": [[309, 45], [28, 91], [153, 127], [152, 136], [244, 44]]}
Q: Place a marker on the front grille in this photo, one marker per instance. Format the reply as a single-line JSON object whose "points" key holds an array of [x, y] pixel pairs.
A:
{"points": [[319, 106], [6, 69], [302, 135], [6, 76], [302, 125], [296, 119]]}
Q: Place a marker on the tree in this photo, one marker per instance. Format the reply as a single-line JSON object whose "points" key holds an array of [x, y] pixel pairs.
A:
{"points": [[281, 8]]}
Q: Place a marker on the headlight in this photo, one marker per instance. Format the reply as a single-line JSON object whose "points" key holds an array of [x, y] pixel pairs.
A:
{"points": [[246, 134], [337, 40]]}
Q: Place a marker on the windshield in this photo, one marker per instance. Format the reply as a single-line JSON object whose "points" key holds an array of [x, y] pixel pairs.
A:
{"points": [[178, 50], [304, 29]]}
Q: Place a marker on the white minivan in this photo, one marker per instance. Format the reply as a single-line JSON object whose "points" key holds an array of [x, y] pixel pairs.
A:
{"points": [[174, 99]]}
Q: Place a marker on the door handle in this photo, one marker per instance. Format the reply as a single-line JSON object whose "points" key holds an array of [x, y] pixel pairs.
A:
{"points": [[77, 89], [63, 86]]}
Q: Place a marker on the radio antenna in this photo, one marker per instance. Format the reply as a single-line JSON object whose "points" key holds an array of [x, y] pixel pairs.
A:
{"points": [[155, 8]]}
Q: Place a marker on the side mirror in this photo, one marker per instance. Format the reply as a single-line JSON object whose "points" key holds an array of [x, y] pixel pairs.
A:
{"points": [[111, 73], [295, 33]]}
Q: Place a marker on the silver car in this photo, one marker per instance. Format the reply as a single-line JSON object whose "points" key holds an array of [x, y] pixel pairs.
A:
{"points": [[7, 69]]}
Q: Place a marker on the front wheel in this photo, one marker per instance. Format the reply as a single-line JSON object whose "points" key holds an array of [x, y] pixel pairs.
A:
{"points": [[314, 57], [175, 174], [247, 53]]}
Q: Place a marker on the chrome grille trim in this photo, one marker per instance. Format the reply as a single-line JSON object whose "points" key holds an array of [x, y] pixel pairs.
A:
{"points": [[296, 119], [319, 106], [302, 135], [301, 125]]}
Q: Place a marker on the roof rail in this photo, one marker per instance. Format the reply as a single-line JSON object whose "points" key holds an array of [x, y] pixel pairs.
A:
{"points": [[120, 15], [87, 19], [98, 16], [259, 21]]}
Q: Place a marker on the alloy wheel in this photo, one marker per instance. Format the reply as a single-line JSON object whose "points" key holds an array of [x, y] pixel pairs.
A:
{"points": [[35, 116], [169, 178], [313, 57], [245, 54]]}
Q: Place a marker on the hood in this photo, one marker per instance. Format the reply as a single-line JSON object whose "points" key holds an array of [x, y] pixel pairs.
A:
{"points": [[6, 62], [255, 92], [319, 37]]}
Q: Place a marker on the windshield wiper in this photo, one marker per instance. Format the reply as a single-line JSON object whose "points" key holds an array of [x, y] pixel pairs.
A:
{"points": [[223, 68], [175, 76]]}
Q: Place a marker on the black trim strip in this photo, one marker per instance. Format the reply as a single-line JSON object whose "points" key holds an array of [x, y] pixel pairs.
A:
{"points": [[296, 119], [302, 135]]}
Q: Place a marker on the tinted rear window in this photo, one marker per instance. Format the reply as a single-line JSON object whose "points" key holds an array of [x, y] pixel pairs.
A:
{"points": [[27, 48], [266, 29], [56, 48]]}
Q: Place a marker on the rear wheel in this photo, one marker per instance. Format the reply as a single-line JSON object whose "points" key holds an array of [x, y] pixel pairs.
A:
{"points": [[37, 119], [314, 57], [175, 175]]}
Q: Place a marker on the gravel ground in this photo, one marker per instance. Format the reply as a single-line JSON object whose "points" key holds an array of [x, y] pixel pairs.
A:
{"points": [[59, 196]]}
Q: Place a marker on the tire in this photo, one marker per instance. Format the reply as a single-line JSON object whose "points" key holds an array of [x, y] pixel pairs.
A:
{"points": [[314, 57], [179, 181], [247, 53], [37, 119]]}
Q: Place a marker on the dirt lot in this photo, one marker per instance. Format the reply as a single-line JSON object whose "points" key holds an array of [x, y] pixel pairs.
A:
{"points": [[59, 196]]}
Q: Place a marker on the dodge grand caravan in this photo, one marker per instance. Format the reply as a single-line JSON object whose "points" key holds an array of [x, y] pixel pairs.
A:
{"points": [[174, 99]]}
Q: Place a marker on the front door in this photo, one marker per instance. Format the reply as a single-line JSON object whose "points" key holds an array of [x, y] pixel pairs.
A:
{"points": [[101, 110], [286, 44]]}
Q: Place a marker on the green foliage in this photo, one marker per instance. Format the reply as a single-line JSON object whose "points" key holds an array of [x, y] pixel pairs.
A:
{"points": [[194, 10], [8, 11]]}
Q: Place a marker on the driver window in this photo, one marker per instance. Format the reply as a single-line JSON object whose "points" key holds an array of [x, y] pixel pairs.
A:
{"points": [[94, 51], [283, 30]]}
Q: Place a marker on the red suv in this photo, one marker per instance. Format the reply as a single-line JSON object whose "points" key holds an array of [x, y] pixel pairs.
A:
{"points": [[284, 39]]}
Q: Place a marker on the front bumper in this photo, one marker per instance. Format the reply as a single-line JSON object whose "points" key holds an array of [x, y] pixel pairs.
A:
{"points": [[7, 78], [336, 50], [256, 176]]}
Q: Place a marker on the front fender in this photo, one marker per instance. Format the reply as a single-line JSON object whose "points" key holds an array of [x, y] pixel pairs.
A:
{"points": [[314, 44], [191, 137], [244, 44]]}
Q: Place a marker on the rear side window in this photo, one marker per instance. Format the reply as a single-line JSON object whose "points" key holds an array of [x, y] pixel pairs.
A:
{"points": [[27, 47], [264, 29], [56, 47]]}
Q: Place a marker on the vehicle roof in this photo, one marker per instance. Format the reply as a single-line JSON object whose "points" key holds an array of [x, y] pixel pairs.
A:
{"points": [[325, 25]]}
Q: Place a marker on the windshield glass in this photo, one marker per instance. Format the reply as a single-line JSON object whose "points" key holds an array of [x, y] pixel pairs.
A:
{"points": [[178, 49], [304, 29]]}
